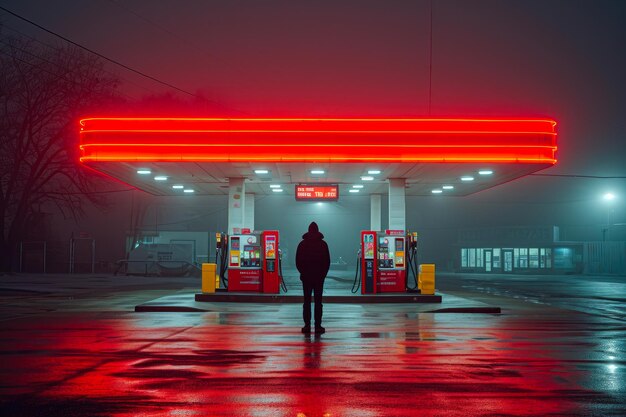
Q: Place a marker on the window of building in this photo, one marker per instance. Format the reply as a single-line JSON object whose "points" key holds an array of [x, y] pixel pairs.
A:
{"points": [[146, 240], [479, 258], [548, 257], [523, 257], [487, 257], [496, 257], [563, 258], [533, 255]]}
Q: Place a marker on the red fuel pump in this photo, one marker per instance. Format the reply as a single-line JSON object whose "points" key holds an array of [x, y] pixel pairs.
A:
{"points": [[253, 263], [383, 264], [271, 268]]}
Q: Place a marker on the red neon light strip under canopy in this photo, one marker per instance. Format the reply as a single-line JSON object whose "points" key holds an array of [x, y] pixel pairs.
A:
{"points": [[318, 140]]}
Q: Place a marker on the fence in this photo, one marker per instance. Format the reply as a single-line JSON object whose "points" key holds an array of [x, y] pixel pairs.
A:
{"points": [[78, 255], [605, 258]]}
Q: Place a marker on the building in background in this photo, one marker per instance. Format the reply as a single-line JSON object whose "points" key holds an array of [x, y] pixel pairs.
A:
{"points": [[535, 250]]}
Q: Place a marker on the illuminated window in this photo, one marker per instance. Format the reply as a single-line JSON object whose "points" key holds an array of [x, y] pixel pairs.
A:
{"points": [[533, 255], [472, 257], [563, 258], [464, 258], [487, 253], [516, 258], [548, 257], [496, 257], [479, 258], [523, 258]]}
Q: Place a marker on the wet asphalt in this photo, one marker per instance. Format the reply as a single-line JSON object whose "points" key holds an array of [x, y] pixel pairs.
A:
{"points": [[73, 346]]}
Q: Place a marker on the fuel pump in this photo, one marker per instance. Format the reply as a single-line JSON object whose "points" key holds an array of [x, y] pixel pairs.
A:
{"points": [[411, 260], [270, 275], [383, 263], [253, 262]]}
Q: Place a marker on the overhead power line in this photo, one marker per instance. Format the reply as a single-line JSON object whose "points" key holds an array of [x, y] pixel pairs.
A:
{"points": [[158, 26], [57, 76], [45, 60], [113, 61], [57, 49]]}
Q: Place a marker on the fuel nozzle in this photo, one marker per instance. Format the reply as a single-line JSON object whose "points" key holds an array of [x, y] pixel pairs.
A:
{"points": [[412, 239], [218, 240]]}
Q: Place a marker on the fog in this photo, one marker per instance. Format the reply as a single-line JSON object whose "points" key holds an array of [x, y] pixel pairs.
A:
{"points": [[437, 220], [559, 59]]}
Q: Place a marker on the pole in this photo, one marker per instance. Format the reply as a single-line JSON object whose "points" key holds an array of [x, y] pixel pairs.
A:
{"points": [[45, 245], [608, 219], [71, 267], [430, 60]]}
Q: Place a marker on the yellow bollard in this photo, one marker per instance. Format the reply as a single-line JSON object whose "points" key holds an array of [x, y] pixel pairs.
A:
{"points": [[209, 278], [426, 279]]}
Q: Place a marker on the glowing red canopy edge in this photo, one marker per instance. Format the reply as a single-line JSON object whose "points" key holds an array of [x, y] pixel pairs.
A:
{"points": [[409, 140]]}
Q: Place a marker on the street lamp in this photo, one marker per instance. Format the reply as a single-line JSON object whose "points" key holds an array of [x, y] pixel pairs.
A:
{"points": [[608, 197]]}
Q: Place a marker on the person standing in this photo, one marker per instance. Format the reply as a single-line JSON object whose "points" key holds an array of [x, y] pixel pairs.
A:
{"points": [[313, 262]]}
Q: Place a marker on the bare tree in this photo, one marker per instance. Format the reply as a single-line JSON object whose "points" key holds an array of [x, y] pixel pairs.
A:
{"points": [[43, 92]]}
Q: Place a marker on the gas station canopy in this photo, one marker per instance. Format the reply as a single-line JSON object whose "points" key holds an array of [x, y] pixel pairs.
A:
{"points": [[443, 156]]}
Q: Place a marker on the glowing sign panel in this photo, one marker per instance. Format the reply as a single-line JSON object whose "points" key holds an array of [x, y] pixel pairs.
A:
{"points": [[317, 192], [416, 140]]}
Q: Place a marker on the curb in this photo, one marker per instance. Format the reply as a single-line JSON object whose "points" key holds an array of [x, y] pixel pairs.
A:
{"points": [[168, 309], [483, 310]]}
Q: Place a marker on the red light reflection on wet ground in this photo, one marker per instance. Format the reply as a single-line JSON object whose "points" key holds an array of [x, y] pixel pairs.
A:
{"points": [[256, 363]]}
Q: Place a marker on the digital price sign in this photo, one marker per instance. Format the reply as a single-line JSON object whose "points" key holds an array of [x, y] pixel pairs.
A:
{"points": [[317, 192]]}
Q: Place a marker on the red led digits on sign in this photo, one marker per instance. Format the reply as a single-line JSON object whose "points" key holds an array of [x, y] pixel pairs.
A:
{"points": [[315, 192]]}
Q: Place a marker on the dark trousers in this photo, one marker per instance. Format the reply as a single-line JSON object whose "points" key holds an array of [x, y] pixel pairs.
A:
{"points": [[315, 287]]}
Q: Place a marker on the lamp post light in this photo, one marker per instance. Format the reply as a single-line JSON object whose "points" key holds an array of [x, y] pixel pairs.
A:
{"points": [[608, 198]]}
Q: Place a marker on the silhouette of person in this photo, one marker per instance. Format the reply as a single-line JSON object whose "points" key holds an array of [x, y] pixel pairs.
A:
{"points": [[313, 262]]}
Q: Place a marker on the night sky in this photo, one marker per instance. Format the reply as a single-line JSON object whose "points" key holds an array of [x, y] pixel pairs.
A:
{"points": [[559, 59]]}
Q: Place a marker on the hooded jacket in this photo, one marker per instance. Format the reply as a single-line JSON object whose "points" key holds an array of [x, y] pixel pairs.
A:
{"points": [[313, 256]]}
